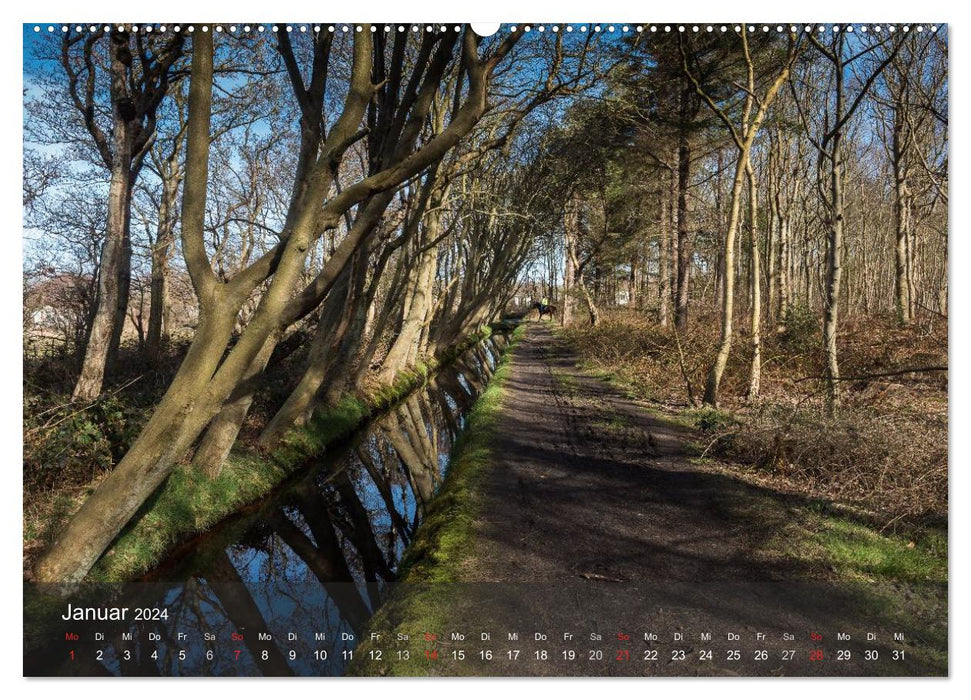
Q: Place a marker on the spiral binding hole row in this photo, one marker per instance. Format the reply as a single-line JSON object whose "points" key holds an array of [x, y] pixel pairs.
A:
{"points": [[596, 28]]}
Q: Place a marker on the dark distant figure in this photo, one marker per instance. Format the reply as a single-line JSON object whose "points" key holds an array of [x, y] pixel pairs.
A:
{"points": [[545, 308]]}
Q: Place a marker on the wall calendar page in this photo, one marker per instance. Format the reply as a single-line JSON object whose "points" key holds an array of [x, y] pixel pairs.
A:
{"points": [[513, 350]]}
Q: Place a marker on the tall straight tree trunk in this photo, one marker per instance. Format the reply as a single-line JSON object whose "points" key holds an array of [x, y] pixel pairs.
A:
{"points": [[569, 266], [720, 223], [785, 273], [124, 291], [158, 315], [728, 283], [116, 252], [834, 268], [104, 323], [901, 216], [664, 260], [684, 240], [744, 139], [913, 272], [551, 281], [568, 291], [673, 238], [755, 373], [806, 269], [580, 283], [138, 82], [772, 237]]}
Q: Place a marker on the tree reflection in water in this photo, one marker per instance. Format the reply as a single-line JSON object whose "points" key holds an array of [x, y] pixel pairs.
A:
{"points": [[289, 587]]}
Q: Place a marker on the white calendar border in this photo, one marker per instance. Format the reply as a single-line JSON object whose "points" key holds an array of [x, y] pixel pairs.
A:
{"points": [[708, 11]]}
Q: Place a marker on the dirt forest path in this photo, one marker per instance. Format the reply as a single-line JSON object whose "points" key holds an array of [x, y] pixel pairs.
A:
{"points": [[596, 520], [602, 546], [589, 483]]}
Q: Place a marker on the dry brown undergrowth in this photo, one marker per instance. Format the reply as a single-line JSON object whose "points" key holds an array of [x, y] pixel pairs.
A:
{"points": [[887, 450]]}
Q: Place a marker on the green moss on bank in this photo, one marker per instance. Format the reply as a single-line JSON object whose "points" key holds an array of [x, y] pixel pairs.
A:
{"points": [[444, 540], [443, 543], [857, 552], [189, 502]]}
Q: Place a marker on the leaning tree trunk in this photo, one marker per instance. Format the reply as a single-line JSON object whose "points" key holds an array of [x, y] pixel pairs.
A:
{"points": [[295, 411], [197, 390], [220, 436], [340, 307], [340, 377], [212, 370], [418, 300]]}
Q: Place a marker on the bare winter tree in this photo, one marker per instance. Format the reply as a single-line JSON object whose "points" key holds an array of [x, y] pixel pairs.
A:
{"points": [[139, 70], [754, 110]]}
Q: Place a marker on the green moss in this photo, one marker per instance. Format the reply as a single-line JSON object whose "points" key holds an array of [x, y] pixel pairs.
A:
{"points": [[190, 502], [856, 551], [445, 540]]}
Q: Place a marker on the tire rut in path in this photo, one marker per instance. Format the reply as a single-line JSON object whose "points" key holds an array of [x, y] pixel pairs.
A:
{"points": [[586, 482]]}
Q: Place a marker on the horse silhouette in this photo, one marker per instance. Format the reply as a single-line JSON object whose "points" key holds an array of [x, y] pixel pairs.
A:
{"points": [[548, 309]]}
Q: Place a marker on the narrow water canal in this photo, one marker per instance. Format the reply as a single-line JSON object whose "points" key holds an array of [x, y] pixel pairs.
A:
{"points": [[293, 581]]}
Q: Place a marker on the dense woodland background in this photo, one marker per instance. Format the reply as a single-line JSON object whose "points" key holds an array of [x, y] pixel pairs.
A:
{"points": [[230, 228]]}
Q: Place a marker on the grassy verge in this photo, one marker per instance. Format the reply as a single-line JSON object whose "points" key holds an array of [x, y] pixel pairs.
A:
{"points": [[189, 503], [858, 552], [443, 542], [901, 580]]}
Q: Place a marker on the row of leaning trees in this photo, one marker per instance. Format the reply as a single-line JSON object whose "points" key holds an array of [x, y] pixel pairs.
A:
{"points": [[400, 165]]}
